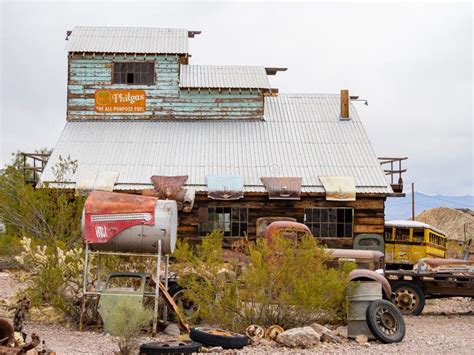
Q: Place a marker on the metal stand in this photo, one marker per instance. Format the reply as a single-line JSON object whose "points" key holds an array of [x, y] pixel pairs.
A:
{"points": [[98, 292]]}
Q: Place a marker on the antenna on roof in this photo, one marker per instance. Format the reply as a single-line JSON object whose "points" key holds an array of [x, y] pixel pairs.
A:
{"points": [[191, 34], [273, 70]]}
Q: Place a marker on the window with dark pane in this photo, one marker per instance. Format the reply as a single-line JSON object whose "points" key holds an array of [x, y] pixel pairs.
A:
{"points": [[330, 222], [233, 222], [134, 73]]}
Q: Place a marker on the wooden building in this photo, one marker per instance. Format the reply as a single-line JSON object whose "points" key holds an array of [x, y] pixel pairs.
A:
{"points": [[218, 139]]}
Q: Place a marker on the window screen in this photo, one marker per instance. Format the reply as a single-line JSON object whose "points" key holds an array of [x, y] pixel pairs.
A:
{"points": [[134, 73], [330, 222]]}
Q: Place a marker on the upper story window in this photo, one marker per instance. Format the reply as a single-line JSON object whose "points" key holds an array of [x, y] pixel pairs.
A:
{"points": [[330, 222], [134, 73]]}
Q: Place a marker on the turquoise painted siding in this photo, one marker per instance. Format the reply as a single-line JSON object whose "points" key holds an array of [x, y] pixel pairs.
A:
{"points": [[164, 99]]}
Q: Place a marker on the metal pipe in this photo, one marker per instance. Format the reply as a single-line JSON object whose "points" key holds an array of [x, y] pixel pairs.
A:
{"points": [[165, 309], [157, 288]]}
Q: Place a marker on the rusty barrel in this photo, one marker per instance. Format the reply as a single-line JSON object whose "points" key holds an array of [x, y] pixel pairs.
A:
{"points": [[359, 296]]}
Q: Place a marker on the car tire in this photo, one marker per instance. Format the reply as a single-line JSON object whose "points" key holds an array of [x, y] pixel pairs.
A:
{"points": [[408, 297], [218, 337], [385, 321], [174, 347]]}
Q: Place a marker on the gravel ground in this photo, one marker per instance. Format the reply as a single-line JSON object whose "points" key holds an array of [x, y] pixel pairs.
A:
{"points": [[445, 327]]}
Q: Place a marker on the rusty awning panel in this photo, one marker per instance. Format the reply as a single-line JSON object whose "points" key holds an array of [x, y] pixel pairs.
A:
{"points": [[339, 188], [283, 188], [168, 186], [225, 187]]}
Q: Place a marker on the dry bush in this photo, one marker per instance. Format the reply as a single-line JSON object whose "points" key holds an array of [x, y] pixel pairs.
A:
{"points": [[284, 283], [127, 318]]}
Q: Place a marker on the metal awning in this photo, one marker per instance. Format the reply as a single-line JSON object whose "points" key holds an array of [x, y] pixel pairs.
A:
{"points": [[225, 187], [339, 188], [97, 180], [283, 188]]}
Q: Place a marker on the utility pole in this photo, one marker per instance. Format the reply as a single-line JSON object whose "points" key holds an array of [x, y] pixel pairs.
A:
{"points": [[412, 201]]}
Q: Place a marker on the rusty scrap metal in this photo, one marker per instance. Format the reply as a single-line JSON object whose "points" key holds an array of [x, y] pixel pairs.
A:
{"points": [[444, 265], [168, 186], [283, 188]]}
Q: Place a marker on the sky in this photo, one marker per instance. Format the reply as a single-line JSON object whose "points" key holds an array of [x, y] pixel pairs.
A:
{"points": [[413, 62]]}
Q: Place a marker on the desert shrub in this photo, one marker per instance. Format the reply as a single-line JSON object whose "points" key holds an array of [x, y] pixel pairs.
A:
{"points": [[283, 283], [127, 317], [47, 215], [54, 277]]}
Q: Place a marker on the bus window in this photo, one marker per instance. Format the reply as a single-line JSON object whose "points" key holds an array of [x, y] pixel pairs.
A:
{"points": [[418, 236], [388, 233], [402, 234]]}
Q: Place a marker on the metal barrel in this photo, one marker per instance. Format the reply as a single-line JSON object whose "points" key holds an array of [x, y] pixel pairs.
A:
{"points": [[359, 297]]}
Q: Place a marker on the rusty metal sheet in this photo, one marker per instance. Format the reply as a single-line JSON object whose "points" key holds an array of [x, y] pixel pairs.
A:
{"points": [[225, 187], [339, 188], [168, 186], [444, 265], [283, 188]]}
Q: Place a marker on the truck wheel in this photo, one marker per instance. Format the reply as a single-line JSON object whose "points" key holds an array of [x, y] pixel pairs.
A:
{"points": [[385, 321], [189, 308], [409, 298], [218, 337]]}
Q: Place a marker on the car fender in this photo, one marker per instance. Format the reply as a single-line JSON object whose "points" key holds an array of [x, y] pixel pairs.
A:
{"points": [[365, 275]]}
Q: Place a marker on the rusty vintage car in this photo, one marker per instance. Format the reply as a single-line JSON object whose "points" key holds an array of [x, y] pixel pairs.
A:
{"points": [[370, 263]]}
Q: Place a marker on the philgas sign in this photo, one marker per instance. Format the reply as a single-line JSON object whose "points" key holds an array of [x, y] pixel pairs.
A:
{"points": [[120, 101]]}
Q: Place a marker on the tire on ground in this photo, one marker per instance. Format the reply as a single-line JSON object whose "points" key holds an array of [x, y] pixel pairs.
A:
{"points": [[178, 347], [218, 337], [385, 321], [409, 290]]}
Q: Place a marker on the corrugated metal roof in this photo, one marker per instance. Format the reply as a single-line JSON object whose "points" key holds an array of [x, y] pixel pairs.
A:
{"points": [[302, 136], [128, 40], [219, 76]]}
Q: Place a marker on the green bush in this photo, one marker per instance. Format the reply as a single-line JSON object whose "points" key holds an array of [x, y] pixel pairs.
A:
{"points": [[54, 277], [127, 317], [47, 215], [284, 283]]}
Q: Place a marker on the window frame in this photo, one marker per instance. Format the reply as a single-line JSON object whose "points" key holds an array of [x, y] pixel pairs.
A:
{"points": [[152, 62], [329, 222], [238, 217]]}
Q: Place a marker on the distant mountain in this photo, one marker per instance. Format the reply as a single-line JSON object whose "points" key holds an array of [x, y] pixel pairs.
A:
{"points": [[400, 207]]}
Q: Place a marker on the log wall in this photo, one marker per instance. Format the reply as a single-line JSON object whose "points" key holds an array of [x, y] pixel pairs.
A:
{"points": [[368, 214]]}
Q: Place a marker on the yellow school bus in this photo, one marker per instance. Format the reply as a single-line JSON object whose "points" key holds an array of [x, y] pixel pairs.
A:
{"points": [[408, 241]]}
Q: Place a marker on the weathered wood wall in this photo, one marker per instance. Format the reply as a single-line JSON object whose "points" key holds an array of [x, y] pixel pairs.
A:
{"points": [[164, 99], [368, 214]]}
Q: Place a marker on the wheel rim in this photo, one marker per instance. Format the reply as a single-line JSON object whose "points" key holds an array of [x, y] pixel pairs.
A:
{"points": [[189, 307], [386, 321], [406, 300]]}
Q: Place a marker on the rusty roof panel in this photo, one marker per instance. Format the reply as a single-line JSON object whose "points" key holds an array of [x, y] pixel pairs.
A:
{"points": [[221, 76], [302, 135], [128, 40]]}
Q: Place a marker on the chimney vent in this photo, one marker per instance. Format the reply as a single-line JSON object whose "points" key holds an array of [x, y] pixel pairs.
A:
{"points": [[345, 104]]}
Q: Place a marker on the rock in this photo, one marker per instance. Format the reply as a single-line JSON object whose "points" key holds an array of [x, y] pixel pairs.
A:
{"points": [[341, 331], [305, 337], [216, 349], [320, 329], [172, 330], [361, 339], [327, 334]]}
